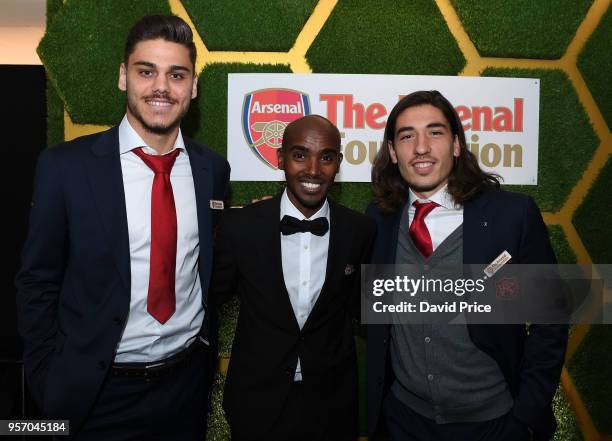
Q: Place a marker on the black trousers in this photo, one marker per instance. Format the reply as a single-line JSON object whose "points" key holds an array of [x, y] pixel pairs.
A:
{"points": [[172, 407], [404, 424], [300, 420]]}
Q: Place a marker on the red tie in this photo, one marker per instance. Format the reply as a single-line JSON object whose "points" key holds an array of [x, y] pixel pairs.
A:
{"points": [[161, 299], [418, 230]]}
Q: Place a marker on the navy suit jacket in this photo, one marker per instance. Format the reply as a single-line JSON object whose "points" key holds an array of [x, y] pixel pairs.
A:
{"points": [[73, 289], [493, 221]]}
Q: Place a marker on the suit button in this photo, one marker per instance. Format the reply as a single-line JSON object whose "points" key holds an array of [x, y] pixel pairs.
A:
{"points": [[117, 320], [288, 371], [102, 365]]}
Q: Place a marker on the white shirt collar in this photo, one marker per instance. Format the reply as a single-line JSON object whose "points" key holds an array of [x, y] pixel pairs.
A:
{"points": [[287, 208], [129, 139], [442, 197]]}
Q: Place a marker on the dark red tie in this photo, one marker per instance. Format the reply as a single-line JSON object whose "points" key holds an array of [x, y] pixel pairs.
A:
{"points": [[161, 299], [418, 230]]}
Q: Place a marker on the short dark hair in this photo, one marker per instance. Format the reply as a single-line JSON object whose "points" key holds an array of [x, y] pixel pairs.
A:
{"points": [[466, 178], [312, 117], [167, 27]]}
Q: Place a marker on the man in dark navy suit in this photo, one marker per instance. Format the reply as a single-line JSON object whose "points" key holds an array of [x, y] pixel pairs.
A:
{"points": [[433, 204], [112, 292]]}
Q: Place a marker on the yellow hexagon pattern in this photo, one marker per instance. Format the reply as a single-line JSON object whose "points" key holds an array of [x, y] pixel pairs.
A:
{"points": [[475, 65]]}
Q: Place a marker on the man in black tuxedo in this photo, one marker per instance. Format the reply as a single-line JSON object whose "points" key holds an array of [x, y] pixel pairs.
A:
{"points": [[112, 292], [433, 204], [294, 262]]}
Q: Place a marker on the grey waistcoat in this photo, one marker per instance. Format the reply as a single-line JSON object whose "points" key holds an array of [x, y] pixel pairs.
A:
{"points": [[439, 372]]}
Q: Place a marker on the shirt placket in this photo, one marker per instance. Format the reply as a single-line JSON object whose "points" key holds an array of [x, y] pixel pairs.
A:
{"points": [[304, 286], [433, 363]]}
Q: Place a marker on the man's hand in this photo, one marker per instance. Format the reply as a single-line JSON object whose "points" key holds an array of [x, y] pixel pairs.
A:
{"points": [[263, 198]]}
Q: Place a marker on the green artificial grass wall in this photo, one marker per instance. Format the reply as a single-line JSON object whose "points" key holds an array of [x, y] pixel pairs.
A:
{"points": [[563, 251], [386, 36], [53, 7], [207, 122], [83, 47], [228, 314], [258, 25], [595, 64], [83, 67], [55, 106], [567, 427], [590, 370], [566, 142], [521, 28], [218, 429], [593, 219]]}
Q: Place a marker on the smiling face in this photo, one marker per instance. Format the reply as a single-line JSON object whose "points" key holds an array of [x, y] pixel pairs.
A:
{"points": [[160, 83], [310, 158], [424, 148]]}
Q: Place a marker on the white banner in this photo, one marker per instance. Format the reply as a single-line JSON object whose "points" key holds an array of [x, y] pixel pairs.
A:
{"points": [[500, 117]]}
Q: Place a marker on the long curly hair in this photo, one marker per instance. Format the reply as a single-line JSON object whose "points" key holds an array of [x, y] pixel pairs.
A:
{"points": [[466, 178]]}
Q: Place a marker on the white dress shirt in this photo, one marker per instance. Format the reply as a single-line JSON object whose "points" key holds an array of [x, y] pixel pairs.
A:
{"points": [[144, 338], [442, 220], [304, 259]]}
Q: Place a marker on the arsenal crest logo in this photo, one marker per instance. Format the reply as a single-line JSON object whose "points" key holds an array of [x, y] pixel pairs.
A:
{"points": [[265, 114], [507, 288]]}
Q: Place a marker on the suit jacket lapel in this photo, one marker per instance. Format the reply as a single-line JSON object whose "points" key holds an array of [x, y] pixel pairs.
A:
{"points": [[338, 242], [385, 246], [476, 230], [268, 244], [106, 181], [203, 184], [393, 222]]}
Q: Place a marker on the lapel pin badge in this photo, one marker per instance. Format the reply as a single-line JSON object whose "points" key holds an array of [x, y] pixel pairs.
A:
{"points": [[350, 269], [216, 205], [495, 266]]}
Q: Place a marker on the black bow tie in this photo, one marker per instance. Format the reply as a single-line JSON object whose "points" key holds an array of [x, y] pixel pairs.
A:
{"points": [[291, 225]]}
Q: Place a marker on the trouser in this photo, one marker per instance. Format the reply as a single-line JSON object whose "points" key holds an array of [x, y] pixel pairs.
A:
{"points": [[404, 424], [301, 420], [170, 407]]}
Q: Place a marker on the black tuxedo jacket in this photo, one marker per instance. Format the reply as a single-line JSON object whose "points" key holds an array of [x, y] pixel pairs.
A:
{"points": [[73, 289], [268, 340], [493, 221]]}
